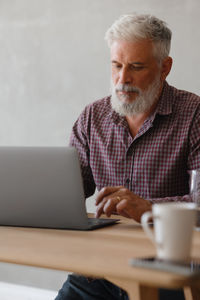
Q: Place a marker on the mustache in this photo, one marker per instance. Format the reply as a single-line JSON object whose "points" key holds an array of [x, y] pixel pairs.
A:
{"points": [[126, 88]]}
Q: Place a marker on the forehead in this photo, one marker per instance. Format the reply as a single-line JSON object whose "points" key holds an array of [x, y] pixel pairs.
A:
{"points": [[125, 51]]}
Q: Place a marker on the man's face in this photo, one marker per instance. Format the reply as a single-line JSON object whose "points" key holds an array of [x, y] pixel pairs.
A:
{"points": [[136, 74]]}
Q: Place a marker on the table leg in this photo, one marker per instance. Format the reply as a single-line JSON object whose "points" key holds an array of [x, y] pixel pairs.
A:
{"points": [[192, 293], [135, 290]]}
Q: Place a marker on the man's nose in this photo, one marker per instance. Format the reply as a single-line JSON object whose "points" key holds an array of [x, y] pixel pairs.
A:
{"points": [[125, 76]]}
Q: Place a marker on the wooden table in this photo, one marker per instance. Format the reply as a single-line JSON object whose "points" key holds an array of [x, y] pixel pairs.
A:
{"points": [[101, 253]]}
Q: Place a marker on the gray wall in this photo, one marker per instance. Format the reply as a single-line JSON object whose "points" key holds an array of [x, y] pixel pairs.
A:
{"points": [[54, 61]]}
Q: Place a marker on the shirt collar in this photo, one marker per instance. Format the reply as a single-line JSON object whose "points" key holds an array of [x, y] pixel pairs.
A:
{"points": [[165, 103]]}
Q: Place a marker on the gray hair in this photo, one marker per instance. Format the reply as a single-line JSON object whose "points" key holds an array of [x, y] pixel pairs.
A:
{"points": [[134, 27]]}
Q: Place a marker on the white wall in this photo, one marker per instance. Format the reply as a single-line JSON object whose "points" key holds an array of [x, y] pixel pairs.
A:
{"points": [[54, 61]]}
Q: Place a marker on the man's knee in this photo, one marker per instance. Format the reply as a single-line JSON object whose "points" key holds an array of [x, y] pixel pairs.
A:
{"points": [[67, 292], [81, 288]]}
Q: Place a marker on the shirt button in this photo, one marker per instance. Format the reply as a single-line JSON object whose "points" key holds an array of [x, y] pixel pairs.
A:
{"points": [[127, 181]]}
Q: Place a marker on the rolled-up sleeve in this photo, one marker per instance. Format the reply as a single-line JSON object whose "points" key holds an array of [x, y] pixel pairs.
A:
{"points": [[80, 140]]}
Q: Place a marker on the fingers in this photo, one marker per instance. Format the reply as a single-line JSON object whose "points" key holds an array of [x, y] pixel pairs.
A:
{"points": [[133, 209], [105, 192], [100, 208], [122, 201], [108, 198], [124, 209], [107, 205]]}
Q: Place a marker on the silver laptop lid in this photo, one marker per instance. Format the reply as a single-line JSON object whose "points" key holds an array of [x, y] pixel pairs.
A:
{"points": [[41, 187]]}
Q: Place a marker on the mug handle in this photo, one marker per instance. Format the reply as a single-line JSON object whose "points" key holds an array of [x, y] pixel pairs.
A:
{"points": [[144, 220]]}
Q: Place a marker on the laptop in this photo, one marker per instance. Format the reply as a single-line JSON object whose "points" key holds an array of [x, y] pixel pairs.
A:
{"points": [[42, 187]]}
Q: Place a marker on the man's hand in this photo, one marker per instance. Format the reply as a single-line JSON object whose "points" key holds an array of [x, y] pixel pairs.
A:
{"points": [[120, 200]]}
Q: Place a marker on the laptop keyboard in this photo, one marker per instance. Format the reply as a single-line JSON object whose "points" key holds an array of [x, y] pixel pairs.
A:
{"points": [[95, 221]]}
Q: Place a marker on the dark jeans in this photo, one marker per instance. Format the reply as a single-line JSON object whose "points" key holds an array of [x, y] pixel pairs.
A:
{"points": [[80, 288]]}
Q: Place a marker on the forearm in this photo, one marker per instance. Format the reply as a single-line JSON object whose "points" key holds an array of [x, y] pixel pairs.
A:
{"points": [[184, 198]]}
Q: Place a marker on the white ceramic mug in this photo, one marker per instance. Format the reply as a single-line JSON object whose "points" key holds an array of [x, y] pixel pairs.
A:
{"points": [[173, 228]]}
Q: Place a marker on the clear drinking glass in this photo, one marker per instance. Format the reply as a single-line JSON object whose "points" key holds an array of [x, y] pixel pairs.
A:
{"points": [[195, 190]]}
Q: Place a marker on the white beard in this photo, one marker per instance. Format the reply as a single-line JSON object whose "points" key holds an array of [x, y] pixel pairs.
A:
{"points": [[142, 103]]}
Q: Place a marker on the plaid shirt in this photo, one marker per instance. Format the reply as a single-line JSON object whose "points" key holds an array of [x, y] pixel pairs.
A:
{"points": [[155, 163]]}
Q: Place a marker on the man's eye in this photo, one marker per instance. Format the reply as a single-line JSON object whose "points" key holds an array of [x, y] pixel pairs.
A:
{"points": [[137, 68], [116, 66]]}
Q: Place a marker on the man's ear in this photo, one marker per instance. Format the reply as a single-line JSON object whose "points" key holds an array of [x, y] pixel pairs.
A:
{"points": [[166, 67]]}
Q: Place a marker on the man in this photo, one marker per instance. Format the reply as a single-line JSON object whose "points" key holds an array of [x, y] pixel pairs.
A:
{"points": [[137, 145]]}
